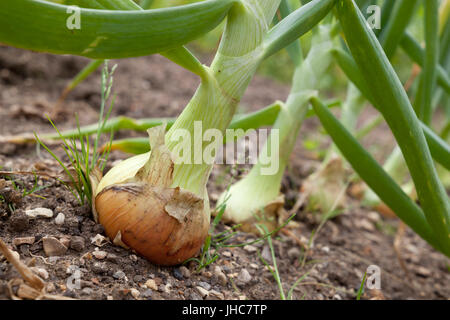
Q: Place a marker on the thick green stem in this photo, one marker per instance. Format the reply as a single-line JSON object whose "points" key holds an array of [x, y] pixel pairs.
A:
{"points": [[215, 101], [262, 185]]}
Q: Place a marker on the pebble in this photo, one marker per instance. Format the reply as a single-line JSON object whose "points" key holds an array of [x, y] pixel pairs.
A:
{"points": [[151, 284], [223, 280], [326, 249], [266, 255], [250, 248], [204, 285], [294, 253], [100, 255], [135, 293], [77, 243], [53, 247], [217, 294], [185, 272], [244, 276], [25, 240], [226, 254], [111, 257], [203, 292], [119, 275], [422, 271], [87, 291], [41, 272], [50, 287], [99, 268], [254, 266], [59, 220], [147, 293], [177, 274], [39, 213]]}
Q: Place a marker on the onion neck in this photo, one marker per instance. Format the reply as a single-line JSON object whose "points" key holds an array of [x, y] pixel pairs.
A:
{"points": [[221, 89]]}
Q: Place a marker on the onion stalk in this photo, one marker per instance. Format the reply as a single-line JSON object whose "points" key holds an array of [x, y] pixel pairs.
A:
{"points": [[256, 198], [157, 207]]}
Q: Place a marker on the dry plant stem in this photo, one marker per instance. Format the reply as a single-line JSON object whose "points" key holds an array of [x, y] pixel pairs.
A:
{"points": [[36, 282], [398, 247]]}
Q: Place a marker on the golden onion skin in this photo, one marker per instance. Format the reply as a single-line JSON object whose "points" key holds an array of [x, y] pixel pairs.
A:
{"points": [[164, 225]]}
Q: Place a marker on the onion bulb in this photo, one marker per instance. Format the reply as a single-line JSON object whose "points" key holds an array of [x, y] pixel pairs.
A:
{"points": [[140, 209]]}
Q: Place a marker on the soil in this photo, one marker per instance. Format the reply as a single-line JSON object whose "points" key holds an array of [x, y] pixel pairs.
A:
{"points": [[334, 265]]}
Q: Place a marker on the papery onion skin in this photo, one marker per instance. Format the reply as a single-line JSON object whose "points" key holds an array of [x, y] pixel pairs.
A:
{"points": [[165, 225]]}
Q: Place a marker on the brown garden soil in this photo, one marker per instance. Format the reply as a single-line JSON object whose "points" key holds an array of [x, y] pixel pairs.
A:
{"points": [[342, 250]]}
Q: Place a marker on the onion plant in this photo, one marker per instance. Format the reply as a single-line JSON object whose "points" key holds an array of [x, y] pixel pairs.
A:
{"points": [[167, 198]]}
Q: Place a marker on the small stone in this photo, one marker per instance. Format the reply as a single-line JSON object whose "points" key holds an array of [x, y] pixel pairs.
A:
{"points": [[167, 288], [59, 220], [135, 293], [50, 287], [217, 294], [294, 253], [87, 291], [133, 258], [111, 257], [100, 255], [422, 271], [204, 285], [226, 254], [221, 277], [39, 213], [244, 276], [364, 224], [326, 249], [41, 272], [185, 272], [337, 297], [147, 293], [25, 240], [109, 298], [373, 216], [53, 247], [137, 278], [242, 297], [254, 266], [203, 292], [99, 268], [250, 248], [266, 255], [177, 274], [119, 275], [19, 221], [151, 284], [77, 243]]}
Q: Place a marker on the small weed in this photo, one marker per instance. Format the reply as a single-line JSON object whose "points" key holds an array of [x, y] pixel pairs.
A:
{"points": [[85, 158]]}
